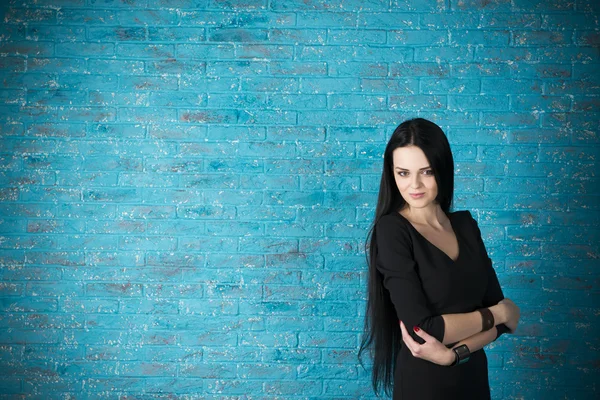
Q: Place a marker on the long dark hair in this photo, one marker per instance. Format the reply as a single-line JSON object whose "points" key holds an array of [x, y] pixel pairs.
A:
{"points": [[382, 330]]}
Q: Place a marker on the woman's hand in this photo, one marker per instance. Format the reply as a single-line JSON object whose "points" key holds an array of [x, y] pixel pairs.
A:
{"points": [[432, 350], [513, 314]]}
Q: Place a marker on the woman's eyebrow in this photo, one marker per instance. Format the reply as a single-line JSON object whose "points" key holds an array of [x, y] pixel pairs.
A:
{"points": [[404, 169]]}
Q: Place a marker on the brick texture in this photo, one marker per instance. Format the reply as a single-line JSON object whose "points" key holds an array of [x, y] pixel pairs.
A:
{"points": [[186, 187]]}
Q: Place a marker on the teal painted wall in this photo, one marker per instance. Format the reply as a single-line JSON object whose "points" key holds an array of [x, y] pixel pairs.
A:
{"points": [[186, 187]]}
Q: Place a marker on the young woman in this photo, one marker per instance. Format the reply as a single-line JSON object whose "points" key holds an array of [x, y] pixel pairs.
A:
{"points": [[434, 298]]}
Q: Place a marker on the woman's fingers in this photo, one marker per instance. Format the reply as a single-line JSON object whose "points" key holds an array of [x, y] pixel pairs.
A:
{"points": [[420, 332]]}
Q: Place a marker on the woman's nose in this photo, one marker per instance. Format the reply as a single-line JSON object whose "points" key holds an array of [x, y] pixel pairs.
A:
{"points": [[415, 181]]}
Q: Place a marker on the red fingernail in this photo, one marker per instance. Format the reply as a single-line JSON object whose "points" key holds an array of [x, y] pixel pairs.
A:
{"points": [[416, 328]]}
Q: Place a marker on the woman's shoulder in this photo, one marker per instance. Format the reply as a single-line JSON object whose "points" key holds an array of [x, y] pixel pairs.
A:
{"points": [[389, 218], [464, 216], [392, 231], [392, 221]]}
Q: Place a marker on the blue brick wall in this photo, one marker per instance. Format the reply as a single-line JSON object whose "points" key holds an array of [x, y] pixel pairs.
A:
{"points": [[186, 187]]}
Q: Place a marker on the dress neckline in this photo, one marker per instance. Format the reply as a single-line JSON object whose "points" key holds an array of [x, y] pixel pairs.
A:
{"points": [[449, 215]]}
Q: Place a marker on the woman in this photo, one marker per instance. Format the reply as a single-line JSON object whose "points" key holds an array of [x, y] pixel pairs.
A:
{"points": [[434, 298]]}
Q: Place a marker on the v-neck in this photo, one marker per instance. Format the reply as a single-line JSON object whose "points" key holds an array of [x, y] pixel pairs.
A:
{"points": [[434, 246]]}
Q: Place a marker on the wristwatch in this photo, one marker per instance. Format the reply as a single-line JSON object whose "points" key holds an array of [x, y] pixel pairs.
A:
{"points": [[462, 353]]}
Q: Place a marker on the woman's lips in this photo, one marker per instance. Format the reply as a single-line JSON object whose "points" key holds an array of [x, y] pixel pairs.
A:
{"points": [[416, 196]]}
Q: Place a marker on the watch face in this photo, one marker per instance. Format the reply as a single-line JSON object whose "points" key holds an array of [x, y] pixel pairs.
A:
{"points": [[463, 349], [462, 354]]}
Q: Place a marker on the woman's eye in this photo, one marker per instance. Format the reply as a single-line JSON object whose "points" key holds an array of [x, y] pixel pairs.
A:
{"points": [[427, 172]]}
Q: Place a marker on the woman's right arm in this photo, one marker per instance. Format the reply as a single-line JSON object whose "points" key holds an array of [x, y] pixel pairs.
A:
{"points": [[464, 325]]}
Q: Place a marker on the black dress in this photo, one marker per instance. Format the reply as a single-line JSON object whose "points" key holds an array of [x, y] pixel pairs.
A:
{"points": [[425, 283]]}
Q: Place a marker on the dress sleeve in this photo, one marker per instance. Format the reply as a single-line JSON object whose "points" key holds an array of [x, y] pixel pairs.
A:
{"points": [[493, 293], [398, 268]]}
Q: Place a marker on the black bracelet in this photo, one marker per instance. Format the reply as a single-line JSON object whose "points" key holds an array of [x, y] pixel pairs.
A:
{"points": [[487, 319]]}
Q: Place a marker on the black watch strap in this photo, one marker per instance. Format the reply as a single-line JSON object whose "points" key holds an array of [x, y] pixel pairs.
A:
{"points": [[462, 353]]}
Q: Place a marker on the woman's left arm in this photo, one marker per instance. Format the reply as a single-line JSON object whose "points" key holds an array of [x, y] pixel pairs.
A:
{"points": [[474, 343], [436, 352]]}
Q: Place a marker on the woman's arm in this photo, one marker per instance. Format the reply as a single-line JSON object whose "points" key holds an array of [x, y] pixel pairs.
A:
{"points": [[474, 343], [466, 325], [434, 351]]}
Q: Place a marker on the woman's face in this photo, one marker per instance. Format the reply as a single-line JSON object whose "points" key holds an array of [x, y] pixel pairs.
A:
{"points": [[414, 175]]}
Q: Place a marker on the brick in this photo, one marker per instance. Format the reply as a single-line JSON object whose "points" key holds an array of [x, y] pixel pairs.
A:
{"points": [[511, 20], [236, 68], [290, 388], [56, 33], [320, 371], [386, 19], [173, 66], [456, 20], [344, 37], [569, 54], [319, 118], [478, 102], [176, 34], [15, 32], [575, 20], [121, 34], [430, 54], [483, 5], [353, 5], [70, 16], [85, 49], [264, 51], [535, 135], [341, 388], [29, 48], [481, 37], [151, 51], [207, 18], [586, 38], [205, 51], [263, 371], [12, 64], [28, 15], [542, 38], [295, 36], [147, 17], [451, 86], [258, 18], [162, 385], [234, 386], [229, 35]]}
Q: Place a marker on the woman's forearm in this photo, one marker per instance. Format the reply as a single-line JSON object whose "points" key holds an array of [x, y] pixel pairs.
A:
{"points": [[465, 325], [474, 343]]}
